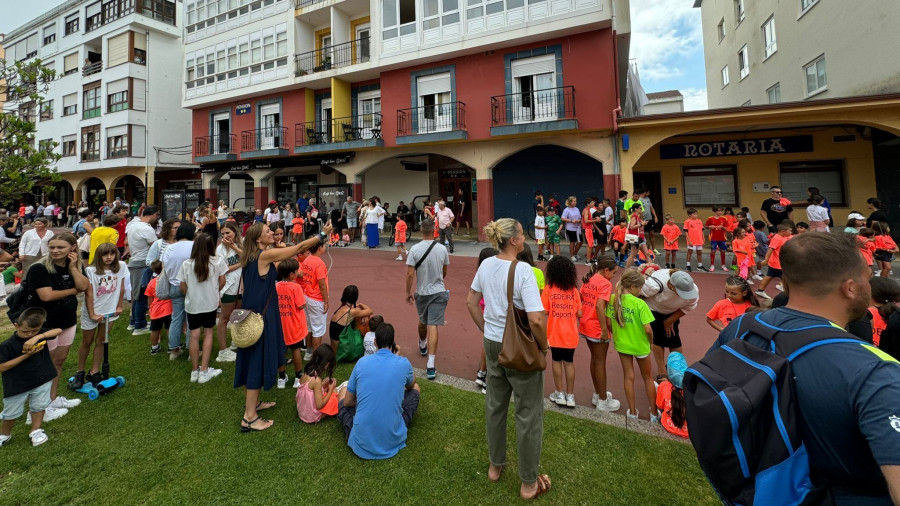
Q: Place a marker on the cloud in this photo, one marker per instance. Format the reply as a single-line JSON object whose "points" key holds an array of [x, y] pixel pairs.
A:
{"points": [[695, 99], [665, 36]]}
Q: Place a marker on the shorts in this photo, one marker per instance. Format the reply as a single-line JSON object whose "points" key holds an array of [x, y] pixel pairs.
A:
{"points": [[883, 256], [720, 245], [639, 357], [157, 324], [562, 354], [650, 226], [600, 239], [589, 238], [88, 324], [352, 223], [400, 244], [431, 308], [296, 346], [573, 236], [594, 339], [201, 320], [228, 299], [553, 239], [38, 400], [659, 332], [66, 338], [315, 316], [541, 241], [616, 245], [695, 247], [773, 272], [408, 408]]}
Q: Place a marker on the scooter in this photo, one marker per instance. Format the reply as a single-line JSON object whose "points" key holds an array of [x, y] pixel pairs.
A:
{"points": [[107, 384]]}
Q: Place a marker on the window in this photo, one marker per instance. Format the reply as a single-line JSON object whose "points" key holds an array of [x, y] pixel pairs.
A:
{"points": [[49, 34], [434, 102], [70, 104], [398, 12], [118, 101], [710, 185], [47, 110], [774, 94], [68, 145], [46, 145], [117, 49], [281, 43], [438, 12], [725, 76], [739, 13], [533, 86], [117, 142], [721, 30], [744, 62], [90, 143], [806, 4], [815, 76], [268, 47], [71, 24], [139, 49], [70, 64], [769, 36], [826, 175], [92, 100]]}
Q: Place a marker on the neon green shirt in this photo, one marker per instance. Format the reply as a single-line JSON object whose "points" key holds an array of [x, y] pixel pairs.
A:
{"points": [[539, 276], [630, 339]]}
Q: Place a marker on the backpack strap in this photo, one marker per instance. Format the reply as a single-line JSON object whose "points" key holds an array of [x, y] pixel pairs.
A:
{"points": [[791, 343]]}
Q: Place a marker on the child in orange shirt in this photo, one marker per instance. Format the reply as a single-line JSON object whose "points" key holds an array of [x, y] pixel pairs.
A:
{"points": [[729, 216], [400, 238], [865, 239], [670, 233], [743, 247], [885, 296], [693, 227], [297, 229], [291, 305], [772, 259], [160, 310], [562, 303], [670, 396], [885, 247], [738, 297], [617, 235]]}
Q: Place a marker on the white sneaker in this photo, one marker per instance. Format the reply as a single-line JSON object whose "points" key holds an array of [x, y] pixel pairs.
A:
{"points": [[629, 416], [140, 332], [760, 293], [208, 374], [749, 281], [877, 273], [308, 355], [233, 347], [570, 400], [195, 375], [226, 355], [726, 269], [129, 327], [559, 398], [4, 439], [595, 399], [757, 277], [62, 402], [608, 404], [38, 437], [282, 382], [654, 418], [779, 287], [52, 413], [174, 354], [296, 383], [399, 257]]}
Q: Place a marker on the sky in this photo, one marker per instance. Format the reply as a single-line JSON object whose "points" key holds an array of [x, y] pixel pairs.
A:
{"points": [[666, 43]]}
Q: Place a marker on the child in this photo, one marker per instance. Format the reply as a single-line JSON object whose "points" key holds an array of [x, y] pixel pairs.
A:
{"points": [[595, 292], [772, 259], [400, 238], [481, 375], [717, 225], [369, 339], [587, 225], [855, 222], [291, 305], [885, 296], [629, 318], [317, 395], [600, 231], [563, 307], [743, 248], [202, 278], [729, 216], [746, 211], [693, 227], [636, 226], [762, 245], [296, 229], [540, 232], [104, 299], [554, 227], [670, 396], [525, 256], [160, 310], [617, 234], [866, 240], [345, 236], [28, 372], [885, 247], [818, 214], [738, 297], [802, 227], [670, 233]]}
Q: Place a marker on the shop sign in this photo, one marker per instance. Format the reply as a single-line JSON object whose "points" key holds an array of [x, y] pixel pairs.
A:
{"points": [[242, 109], [458, 173], [742, 147], [336, 160]]}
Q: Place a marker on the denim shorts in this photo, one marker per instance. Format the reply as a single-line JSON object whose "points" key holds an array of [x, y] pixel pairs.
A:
{"points": [[38, 400], [718, 245]]}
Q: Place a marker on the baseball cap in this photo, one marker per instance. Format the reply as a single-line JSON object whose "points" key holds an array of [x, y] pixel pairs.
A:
{"points": [[273, 202], [684, 285], [676, 365], [855, 216]]}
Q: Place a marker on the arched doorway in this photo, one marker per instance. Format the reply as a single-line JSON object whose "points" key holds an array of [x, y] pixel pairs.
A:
{"points": [[130, 188], [550, 169], [63, 193], [93, 191]]}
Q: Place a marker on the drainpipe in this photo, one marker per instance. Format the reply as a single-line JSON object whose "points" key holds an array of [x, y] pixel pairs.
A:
{"points": [[618, 110]]}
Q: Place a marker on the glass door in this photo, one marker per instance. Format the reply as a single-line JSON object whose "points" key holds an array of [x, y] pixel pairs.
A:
{"points": [[370, 109], [269, 136], [535, 98], [435, 113], [221, 141], [325, 127], [362, 44]]}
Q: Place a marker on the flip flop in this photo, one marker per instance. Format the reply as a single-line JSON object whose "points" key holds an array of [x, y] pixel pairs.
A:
{"points": [[543, 485], [260, 407], [249, 427], [499, 474]]}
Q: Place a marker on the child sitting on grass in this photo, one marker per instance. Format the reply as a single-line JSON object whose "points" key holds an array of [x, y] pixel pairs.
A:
{"points": [[369, 339], [670, 397], [291, 305], [317, 395], [562, 303], [27, 372], [160, 310]]}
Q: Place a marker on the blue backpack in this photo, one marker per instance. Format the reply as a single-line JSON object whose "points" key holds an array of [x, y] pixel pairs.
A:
{"points": [[742, 411]]}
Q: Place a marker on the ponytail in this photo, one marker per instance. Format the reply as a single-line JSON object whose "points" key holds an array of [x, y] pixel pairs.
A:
{"points": [[630, 280], [885, 292], [601, 264], [678, 407], [617, 305], [742, 283]]}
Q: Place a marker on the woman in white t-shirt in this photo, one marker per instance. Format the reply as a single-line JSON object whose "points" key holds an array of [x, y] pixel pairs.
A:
{"points": [[104, 299], [202, 277], [230, 251], [222, 212], [491, 283]]}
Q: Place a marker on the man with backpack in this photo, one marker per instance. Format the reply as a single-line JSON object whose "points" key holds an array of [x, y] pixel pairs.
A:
{"points": [[788, 407]]}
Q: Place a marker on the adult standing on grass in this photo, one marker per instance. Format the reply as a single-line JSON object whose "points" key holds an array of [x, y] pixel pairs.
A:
{"points": [[257, 365], [141, 236], [571, 216], [669, 294], [773, 211], [175, 255], [33, 244], [490, 283], [427, 262]]}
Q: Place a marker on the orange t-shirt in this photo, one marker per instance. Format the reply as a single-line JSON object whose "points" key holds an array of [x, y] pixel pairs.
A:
{"points": [[775, 244], [671, 233], [732, 222], [878, 326], [562, 322], [743, 248], [293, 319], [694, 229], [297, 225], [158, 308], [885, 242], [618, 234], [598, 287], [400, 231], [725, 311], [664, 403], [313, 270], [866, 249]]}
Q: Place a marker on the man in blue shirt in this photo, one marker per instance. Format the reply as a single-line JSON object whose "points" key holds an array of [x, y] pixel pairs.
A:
{"points": [[303, 203], [848, 393], [380, 400]]}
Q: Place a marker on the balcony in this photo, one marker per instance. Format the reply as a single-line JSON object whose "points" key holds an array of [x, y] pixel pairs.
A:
{"points": [[300, 4], [92, 68], [266, 141], [352, 132], [432, 123], [534, 111], [340, 55], [161, 10], [214, 148]]}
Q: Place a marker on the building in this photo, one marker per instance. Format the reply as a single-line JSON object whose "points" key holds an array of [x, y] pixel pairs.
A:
{"points": [[664, 102], [117, 62], [405, 99], [770, 51]]}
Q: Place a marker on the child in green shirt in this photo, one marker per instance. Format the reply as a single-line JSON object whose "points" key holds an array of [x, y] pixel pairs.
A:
{"points": [[554, 226]]}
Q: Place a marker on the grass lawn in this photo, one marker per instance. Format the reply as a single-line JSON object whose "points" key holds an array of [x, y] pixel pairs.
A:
{"points": [[161, 439]]}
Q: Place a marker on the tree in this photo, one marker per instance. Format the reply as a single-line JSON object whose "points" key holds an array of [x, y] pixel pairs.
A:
{"points": [[24, 163]]}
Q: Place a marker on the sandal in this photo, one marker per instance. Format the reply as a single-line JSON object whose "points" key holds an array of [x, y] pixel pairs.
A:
{"points": [[250, 428], [261, 407], [499, 473], [543, 485]]}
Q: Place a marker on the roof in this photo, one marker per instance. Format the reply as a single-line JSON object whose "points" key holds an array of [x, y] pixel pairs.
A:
{"points": [[662, 95]]}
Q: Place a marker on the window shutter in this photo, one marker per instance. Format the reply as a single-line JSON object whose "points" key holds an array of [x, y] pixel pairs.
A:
{"points": [[118, 50], [32, 43], [431, 85], [71, 62], [21, 50], [140, 41], [117, 86], [69, 138], [117, 130], [70, 100], [139, 87], [49, 30], [534, 66]]}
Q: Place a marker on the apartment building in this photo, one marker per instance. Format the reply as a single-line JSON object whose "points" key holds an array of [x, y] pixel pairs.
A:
{"points": [[487, 100], [117, 64], [770, 51]]}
